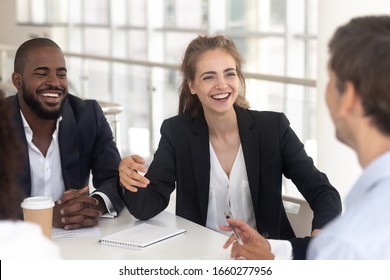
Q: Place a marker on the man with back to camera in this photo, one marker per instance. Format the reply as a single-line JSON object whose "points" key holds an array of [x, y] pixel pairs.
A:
{"points": [[358, 99], [64, 139]]}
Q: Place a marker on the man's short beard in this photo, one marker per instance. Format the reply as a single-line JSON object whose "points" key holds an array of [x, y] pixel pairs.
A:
{"points": [[37, 107]]}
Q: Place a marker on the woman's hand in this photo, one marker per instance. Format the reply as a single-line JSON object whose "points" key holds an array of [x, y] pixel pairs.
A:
{"points": [[128, 173]]}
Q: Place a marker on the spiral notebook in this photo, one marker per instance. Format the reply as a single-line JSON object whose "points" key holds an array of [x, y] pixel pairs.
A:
{"points": [[140, 236]]}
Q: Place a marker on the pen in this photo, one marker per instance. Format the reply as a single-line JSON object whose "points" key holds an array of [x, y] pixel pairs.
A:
{"points": [[239, 240]]}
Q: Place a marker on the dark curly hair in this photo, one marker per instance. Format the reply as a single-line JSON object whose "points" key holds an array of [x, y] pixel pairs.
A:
{"points": [[9, 164]]}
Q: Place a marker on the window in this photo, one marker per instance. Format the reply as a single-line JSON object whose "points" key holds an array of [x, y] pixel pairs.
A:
{"points": [[141, 44]]}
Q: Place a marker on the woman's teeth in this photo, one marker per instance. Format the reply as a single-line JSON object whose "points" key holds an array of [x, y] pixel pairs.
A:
{"points": [[220, 96]]}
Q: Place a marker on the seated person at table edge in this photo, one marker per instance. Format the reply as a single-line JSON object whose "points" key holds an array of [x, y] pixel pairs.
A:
{"points": [[63, 138], [18, 239], [221, 156], [358, 99]]}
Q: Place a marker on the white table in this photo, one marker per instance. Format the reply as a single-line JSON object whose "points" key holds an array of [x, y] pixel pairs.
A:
{"points": [[197, 243]]}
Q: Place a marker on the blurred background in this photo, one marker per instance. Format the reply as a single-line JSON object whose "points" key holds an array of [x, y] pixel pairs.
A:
{"points": [[126, 54]]}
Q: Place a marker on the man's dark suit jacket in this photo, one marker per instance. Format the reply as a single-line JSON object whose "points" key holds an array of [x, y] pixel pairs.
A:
{"points": [[270, 148], [86, 144]]}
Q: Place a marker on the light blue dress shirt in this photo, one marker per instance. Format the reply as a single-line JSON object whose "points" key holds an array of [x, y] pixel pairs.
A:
{"points": [[363, 231]]}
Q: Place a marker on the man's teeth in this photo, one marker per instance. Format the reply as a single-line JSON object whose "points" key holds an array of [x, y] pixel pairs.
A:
{"points": [[50, 94], [221, 96]]}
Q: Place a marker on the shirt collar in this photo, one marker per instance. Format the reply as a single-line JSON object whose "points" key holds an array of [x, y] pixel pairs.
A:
{"points": [[376, 171], [28, 131]]}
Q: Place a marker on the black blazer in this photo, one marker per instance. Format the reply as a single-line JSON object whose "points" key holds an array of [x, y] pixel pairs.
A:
{"points": [[86, 144], [270, 148], [299, 247]]}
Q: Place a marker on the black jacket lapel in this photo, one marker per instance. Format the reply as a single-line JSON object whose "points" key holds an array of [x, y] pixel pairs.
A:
{"points": [[69, 148], [201, 162], [250, 147]]}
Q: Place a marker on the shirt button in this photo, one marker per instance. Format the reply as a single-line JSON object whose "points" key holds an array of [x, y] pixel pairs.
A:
{"points": [[265, 234]]}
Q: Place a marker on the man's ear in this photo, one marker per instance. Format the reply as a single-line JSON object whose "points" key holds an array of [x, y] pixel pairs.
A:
{"points": [[350, 100], [17, 80]]}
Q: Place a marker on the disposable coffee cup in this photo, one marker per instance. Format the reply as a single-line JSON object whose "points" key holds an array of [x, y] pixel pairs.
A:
{"points": [[39, 210]]}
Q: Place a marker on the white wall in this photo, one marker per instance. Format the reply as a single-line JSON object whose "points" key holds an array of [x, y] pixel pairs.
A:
{"points": [[11, 33], [337, 160], [7, 16]]}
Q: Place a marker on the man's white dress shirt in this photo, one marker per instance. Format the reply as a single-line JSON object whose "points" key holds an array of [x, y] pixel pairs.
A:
{"points": [[46, 173]]}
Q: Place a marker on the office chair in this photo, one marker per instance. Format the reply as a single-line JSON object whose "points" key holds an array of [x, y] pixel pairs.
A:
{"points": [[299, 214]]}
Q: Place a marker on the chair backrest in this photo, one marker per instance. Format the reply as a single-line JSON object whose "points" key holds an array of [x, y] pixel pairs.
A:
{"points": [[299, 214]]}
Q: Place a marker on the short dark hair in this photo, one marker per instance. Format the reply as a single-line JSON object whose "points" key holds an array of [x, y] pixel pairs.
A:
{"points": [[360, 53], [26, 47]]}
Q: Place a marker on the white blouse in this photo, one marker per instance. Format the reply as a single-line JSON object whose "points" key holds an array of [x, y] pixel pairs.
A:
{"points": [[229, 193]]}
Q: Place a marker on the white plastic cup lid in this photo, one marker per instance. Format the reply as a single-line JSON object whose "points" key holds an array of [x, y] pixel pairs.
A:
{"points": [[37, 202]]}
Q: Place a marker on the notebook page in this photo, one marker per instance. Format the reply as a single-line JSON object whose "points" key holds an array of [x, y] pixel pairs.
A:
{"points": [[58, 233], [140, 236]]}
